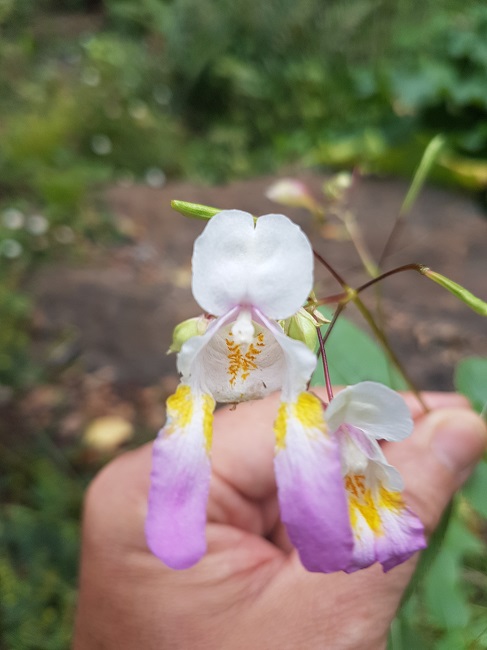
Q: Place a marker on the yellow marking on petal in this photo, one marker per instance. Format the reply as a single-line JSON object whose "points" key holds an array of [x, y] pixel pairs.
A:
{"points": [[181, 411], [208, 404], [280, 426], [180, 407], [391, 500], [361, 502], [241, 363], [309, 411]]}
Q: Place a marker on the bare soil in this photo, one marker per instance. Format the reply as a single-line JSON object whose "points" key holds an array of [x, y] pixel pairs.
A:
{"points": [[113, 318]]}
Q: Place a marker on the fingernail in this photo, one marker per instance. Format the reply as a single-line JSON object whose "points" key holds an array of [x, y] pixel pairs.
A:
{"points": [[459, 439]]}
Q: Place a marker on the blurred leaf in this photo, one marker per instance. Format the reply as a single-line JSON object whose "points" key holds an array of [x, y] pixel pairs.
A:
{"points": [[429, 554], [476, 489], [471, 380], [445, 599]]}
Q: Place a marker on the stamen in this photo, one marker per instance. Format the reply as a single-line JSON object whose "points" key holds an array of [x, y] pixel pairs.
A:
{"points": [[242, 363]]}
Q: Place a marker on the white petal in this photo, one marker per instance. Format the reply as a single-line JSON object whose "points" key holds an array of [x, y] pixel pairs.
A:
{"points": [[363, 455], [192, 347], [267, 265], [230, 371], [378, 411], [300, 362]]}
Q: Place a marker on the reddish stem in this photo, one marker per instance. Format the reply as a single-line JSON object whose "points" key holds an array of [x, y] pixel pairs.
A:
{"points": [[326, 370], [334, 273]]}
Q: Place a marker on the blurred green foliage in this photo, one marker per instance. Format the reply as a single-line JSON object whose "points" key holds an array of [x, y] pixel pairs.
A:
{"points": [[146, 89], [154, 88], [39, 544]]}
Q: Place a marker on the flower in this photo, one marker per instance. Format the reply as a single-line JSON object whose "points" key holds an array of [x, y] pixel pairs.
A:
{"points": [[291, 192], [379, 526], [338, 496], [248, 274]]}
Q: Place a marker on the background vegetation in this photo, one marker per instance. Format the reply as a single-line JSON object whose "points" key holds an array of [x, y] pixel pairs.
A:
{"points": [[93, 92]]}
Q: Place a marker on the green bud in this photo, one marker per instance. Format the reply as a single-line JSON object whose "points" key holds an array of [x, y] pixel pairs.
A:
{"points": [[302, 327], [186, 330], [194, 210], [457, 290]]}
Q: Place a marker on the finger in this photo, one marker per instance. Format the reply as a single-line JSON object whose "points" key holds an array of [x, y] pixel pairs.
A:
{"points": [[434, 462], [244, 440], [434, 400], [243, 488], [116, 502], [437, 459]]}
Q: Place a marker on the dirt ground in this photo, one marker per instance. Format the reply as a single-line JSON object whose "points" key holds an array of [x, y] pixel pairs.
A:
{"points": [[107, 325]]}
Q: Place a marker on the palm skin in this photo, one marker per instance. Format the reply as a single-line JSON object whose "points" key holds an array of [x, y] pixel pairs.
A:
{"points": [[250, 590]]}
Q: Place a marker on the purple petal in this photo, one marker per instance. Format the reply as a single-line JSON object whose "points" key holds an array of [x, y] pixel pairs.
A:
{"points": [[310, 486], [404, 533], [385, 530], [180, 479]]}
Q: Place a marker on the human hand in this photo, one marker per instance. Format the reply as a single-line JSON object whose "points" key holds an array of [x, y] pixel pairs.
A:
{"points": [[250, 590]]}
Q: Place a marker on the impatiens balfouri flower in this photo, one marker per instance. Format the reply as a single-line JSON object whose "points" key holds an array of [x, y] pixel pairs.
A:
{"points": [[339, 499], [378, 526]]}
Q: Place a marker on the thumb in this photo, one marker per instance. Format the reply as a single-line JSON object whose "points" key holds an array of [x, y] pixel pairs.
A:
{"points": [[437, 459]]}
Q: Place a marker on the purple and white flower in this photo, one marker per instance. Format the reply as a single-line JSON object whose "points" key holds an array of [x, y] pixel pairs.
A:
{"points": [[339, 499]]}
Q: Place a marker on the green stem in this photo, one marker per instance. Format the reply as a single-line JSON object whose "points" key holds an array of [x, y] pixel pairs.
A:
{"points": [[388, 349], [358, 241]]}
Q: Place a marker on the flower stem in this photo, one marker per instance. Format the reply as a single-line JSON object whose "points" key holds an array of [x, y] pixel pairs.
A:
{"points": [[406, 267], [383, 340], [358, 241], [334, 273], [326, 370]]}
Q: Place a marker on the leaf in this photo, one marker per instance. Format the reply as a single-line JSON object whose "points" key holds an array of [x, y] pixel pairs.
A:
{"points": [[353, 356], [475, 491], [446, 602], [471, 380], [428, 556]]}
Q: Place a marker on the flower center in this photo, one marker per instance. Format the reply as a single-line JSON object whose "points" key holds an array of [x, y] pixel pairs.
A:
{"points": [[240, 362], [243, 329]]}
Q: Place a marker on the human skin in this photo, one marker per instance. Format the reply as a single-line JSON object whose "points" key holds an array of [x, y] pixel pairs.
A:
{"points": [[250, 590]]}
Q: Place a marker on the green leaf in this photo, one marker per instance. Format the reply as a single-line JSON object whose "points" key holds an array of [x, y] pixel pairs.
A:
{"points": [[471, 380], [475, 491], [453, 640], [429, 554], [446, 602], [354, 356]]}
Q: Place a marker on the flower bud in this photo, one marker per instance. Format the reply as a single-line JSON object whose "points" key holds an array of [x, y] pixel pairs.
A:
{"points": [[336, 187], [302, 327], [186, 330], [477, 304], [194, 210], [289, 191]]}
